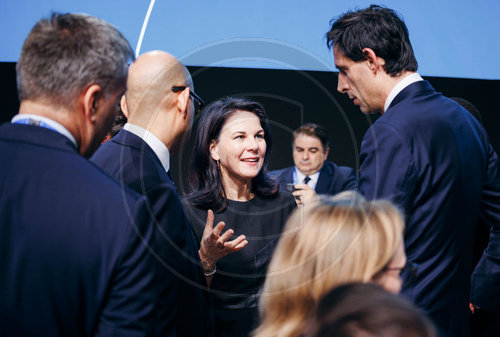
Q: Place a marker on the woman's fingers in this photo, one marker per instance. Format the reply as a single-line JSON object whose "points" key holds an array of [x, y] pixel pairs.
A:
{"points": [[214, 235], [210, 222], [224, 237], [236, 244]]}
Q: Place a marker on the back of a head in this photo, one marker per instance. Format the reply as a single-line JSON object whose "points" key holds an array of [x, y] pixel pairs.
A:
{"points": [[340, 240], [118, 123], [366, 310], [149, 85], [378, 28], [65, 53], [467, 105]]}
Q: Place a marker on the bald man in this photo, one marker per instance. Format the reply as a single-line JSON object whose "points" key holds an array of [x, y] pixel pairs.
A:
{"points": [[159, 104]]}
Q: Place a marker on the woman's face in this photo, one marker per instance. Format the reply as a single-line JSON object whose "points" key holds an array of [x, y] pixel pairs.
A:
{"points": [[389, 278], [241, 147]]}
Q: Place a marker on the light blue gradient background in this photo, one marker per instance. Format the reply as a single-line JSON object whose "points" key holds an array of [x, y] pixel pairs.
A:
{"points": [[451, 38]]}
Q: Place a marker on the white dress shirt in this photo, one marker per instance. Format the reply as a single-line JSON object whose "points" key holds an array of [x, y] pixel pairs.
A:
{"points": [[298, 178], [406, 81], [154, 143]]}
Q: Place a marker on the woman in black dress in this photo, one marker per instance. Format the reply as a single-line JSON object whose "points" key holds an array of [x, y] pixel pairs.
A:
{"points": [[229, 176]]}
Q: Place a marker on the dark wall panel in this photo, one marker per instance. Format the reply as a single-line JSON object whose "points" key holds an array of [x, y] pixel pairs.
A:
{"points": [[292, 98]]}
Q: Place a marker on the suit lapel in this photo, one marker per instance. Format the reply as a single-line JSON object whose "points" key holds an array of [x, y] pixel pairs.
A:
{"points": [[288, 175], [323, 180]]}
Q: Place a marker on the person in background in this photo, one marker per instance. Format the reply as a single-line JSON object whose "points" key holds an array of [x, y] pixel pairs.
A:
{"points": [[339, 240], [363, 309], [485, 303], [467, 105], [312, 173], [228, 176], [118, 123], [426, 154], [74, 244]]}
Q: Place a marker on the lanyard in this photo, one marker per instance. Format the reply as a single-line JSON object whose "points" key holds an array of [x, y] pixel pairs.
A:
{"points": [[33, 122]]}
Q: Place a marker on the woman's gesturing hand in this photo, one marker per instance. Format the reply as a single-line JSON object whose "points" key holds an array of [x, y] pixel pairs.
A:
{"points": [[214, 246]]}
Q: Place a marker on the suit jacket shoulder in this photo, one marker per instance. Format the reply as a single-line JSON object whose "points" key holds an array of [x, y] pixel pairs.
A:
{"points": [[77, 230], [185, 296], [429, 156], [131, 161], [334, 179], [284, 176]]}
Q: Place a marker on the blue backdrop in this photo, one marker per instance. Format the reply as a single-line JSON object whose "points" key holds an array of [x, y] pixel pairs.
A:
{"points": [[458, 38]]}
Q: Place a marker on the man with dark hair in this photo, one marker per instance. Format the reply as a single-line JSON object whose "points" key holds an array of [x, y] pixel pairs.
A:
{"points": [[74, 244], [312, 174], [425, 153]]}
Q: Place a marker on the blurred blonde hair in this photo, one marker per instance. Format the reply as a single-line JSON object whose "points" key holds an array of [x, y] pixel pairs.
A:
{"points": [[339, 240]]}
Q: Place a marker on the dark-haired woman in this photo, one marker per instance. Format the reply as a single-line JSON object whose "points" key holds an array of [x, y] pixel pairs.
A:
{"points": [[228, 175]]}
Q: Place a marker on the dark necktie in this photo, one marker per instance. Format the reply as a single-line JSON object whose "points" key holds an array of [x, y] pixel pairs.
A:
{"points": [[306, 180]]}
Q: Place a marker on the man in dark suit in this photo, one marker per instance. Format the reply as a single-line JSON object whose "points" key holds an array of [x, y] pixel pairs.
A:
{"points": [[485, 305], [425, 153], [312, 174], [160, 105], [74, 244]]}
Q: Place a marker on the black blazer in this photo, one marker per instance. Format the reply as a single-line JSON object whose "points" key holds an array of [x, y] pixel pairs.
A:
{"points": [[433, 159], [332, 178], [186, 307], [73, 243]]}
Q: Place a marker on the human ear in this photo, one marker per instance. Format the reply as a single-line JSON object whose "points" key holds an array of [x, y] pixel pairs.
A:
{"points": [[374, 62], [91, 99], [123, 106], [183, 101], [326, 153], [214, 150]]}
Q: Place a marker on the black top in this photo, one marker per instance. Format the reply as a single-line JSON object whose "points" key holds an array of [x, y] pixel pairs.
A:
{"points": [[240, 276]]}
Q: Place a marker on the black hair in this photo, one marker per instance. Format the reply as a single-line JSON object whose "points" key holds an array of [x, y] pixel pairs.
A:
{"points": [[467, 105], [313, 130], [378, 28], [206, 189]]}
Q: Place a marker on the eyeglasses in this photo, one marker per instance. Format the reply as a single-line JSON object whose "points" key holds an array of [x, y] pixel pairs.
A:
{"points": [[408, 272], [197, 99]]}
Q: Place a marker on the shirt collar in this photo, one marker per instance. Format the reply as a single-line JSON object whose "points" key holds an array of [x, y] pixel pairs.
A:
{"points": [[406, 81], [154, 143], [52, 123], [300, 178]]}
